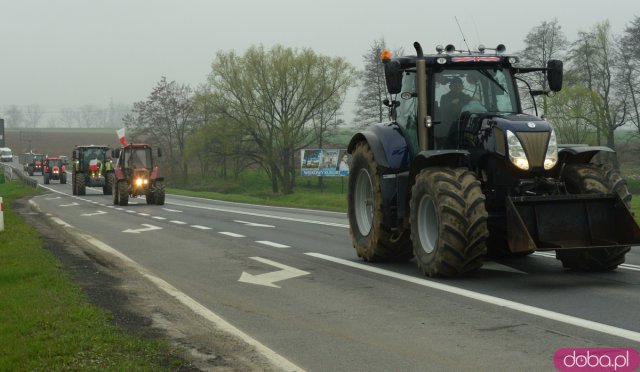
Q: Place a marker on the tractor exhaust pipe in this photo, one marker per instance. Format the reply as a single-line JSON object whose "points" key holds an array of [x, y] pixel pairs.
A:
{"points": [[422, 97]]}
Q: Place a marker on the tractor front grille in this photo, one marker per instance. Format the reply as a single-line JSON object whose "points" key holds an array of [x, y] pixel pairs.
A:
{"points": [[535, 146]]}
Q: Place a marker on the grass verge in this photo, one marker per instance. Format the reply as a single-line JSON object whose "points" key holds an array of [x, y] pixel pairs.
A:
{"points": [[47, 322]]}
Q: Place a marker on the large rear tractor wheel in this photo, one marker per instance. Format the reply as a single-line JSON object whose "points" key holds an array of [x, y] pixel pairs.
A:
{"points": [[123, 193], [63, 178], [371, 239], [590, 179], [46, 178], [448, 222], [107, 189], [114, 192], [81, 188]]}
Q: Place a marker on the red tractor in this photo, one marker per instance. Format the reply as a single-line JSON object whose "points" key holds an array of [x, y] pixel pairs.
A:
{"points": [[136, 175], [54, 169]]}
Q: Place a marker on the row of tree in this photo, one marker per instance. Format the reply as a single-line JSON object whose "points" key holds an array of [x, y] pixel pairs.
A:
{"points": [[262, 107], [602, 80], [258, 108], [86, 116]]}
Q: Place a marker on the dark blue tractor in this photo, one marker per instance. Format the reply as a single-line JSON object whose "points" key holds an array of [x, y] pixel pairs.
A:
{"points": [[460, 172]]}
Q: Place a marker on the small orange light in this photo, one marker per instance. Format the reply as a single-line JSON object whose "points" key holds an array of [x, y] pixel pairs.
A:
{"points": [[385, 55]]}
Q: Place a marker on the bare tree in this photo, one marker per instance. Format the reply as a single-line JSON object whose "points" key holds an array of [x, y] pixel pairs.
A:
{"points": [[594, 59], [373, 90], [544, 42], [32, 115], [630, 50], [14, 117], [167, 118]]}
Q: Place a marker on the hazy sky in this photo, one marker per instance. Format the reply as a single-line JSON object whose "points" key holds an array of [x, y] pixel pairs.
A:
{"points": [[67, 53]]}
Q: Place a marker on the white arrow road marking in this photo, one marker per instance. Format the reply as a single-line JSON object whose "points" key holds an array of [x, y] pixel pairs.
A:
{"points": [[272, 244], [253, 224], [234, 235], [172, 210], [267, 279], [69, 205], [94, 214], [491, 265], [147, 228]]}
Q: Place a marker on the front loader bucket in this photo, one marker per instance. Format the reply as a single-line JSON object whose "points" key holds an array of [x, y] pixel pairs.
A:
{"points": [[569, 222]]}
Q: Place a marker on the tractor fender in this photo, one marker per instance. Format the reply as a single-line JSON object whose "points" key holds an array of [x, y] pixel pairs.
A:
{"points": [[388, 145], [438, 158], [578, 154], [154, 175]]}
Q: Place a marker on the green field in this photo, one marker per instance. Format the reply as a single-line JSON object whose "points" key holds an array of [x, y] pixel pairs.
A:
{"points": [[47, 322]]}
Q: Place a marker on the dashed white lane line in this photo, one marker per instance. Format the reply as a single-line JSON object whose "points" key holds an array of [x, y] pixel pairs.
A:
{"points": [[497, 301], [159, 218], [234, 235], [172, 210], [178, 222], [144, 214], [130, 211], [201, 227], [272, 244]]}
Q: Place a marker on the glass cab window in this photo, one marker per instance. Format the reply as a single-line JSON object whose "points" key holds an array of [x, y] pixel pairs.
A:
{"points": [[406, 113]]}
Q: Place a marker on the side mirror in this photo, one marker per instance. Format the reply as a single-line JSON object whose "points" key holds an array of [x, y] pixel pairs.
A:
{"points": [[554, 74], [159, 152], [393, 76]]}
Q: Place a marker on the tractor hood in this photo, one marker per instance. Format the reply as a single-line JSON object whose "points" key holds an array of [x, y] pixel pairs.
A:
{"points": [[519, 123]]}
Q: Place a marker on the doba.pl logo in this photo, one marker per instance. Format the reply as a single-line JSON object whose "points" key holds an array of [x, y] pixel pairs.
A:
{"points": [[596, 359]]}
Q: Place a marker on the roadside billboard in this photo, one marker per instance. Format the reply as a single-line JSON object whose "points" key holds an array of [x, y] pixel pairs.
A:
{"points": [[324, 162]]}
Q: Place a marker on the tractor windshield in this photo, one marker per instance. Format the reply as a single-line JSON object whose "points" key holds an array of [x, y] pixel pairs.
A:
{"points": [[478, 90], [137, 158], [55, 162]]}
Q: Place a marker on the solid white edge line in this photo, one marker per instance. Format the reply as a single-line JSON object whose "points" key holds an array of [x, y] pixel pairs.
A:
{"points": [[275, 358], [303, 220], [552, 315]]}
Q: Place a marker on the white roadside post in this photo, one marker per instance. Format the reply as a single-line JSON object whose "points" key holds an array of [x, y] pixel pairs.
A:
{"points": [[1, 215]]}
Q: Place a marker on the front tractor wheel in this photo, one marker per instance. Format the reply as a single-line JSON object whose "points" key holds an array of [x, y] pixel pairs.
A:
{"points": [[590, 179], [122, 193], [81, 187], [371, 239], [448, 222], [107, 189]]}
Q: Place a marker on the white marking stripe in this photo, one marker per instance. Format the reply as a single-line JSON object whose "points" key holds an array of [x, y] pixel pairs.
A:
{"points": [[178, 222], [200, 227], [130, 211], [272, 244], [567, 319], [60, 222], [159, 218], [232, 234], [264, 215], [144, 214]]}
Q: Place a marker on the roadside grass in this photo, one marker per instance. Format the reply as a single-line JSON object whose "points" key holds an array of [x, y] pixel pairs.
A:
{"points": [[253, 187], [47, 322]]}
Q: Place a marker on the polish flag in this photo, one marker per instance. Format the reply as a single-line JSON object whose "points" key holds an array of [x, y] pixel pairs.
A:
{"points": [[120, 133]]}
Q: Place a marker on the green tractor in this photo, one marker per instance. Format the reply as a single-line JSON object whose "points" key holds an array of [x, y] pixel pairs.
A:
{"points": [[91, 167]]}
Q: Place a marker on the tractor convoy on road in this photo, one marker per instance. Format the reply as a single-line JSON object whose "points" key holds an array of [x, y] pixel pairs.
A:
{"points": [[126, 172], [458, 174]]}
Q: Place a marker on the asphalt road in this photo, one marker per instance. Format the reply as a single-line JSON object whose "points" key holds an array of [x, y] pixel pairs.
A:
{"points": [[290, 280]]}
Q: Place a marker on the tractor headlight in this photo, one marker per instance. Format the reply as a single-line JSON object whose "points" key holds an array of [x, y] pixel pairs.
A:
{"points": [[551, 158], [139, 182], [516, 151]]}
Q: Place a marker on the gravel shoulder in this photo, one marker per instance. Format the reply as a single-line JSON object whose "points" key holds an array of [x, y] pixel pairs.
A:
{"points": [[138, 306]]}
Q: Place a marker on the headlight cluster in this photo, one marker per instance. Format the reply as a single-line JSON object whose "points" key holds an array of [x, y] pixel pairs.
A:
{"points": [[518, 156], [141, 181], [516, 152]]}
